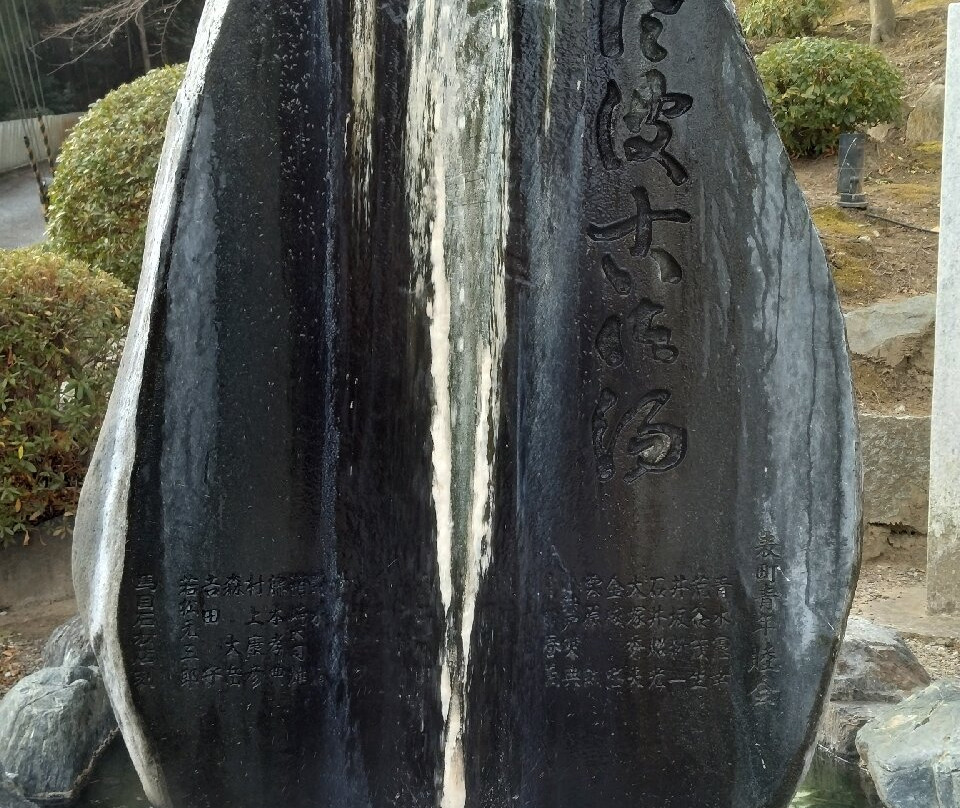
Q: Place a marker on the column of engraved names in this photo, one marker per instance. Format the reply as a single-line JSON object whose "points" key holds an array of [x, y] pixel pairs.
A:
{"points": [[145, 632], [246, 632], [648, 634], [765, 664], [629, 435], [188, 610]]}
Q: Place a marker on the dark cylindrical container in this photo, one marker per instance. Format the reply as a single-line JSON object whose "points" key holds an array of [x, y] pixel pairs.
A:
{"points": [[850, 170]]}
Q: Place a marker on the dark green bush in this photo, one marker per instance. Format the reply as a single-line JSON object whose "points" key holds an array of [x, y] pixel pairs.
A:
{"points": [[820, 88], [103, 185], [785, 18], [62, 327]]}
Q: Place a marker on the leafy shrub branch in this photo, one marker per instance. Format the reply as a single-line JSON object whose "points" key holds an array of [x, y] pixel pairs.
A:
{"points": [[777, 18], [102, 190], [63, 326]]}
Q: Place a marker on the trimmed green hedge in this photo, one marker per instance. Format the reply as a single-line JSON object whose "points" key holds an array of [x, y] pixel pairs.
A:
{"points": [[820, 88], [63, 326], [103, 185]]}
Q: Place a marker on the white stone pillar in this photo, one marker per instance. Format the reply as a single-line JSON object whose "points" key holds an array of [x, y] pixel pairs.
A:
{"points": [[943, 548]]}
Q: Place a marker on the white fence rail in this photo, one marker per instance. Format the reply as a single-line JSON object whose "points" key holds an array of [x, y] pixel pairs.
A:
{"points": [[13, 152]]}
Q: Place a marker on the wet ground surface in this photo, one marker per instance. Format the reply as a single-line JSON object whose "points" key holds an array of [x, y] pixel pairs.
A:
{"points": [[21, 216], [114, 784], [833, 783]]}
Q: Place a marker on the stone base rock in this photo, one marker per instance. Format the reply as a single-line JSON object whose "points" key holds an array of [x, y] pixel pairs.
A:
{"points": [[912, 749], [925, 123], [875, 665], [10, 796], [875, 668], [895, 331], [69, 646], [833, 781], [840, 725], [53, 726]]}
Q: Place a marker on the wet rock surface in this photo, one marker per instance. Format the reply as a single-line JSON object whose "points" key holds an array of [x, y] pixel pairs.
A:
{"points": [[10, 795]]}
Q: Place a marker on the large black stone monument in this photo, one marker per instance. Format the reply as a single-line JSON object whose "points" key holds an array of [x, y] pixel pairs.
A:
{"points": [[485, 435]]}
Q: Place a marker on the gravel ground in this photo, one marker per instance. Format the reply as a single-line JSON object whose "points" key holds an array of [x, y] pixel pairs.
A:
{"points": [[885, 579], [19, 657], [940, 658], [903, 581]]}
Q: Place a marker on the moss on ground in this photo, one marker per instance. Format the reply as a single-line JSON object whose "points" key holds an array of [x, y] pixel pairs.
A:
{"points": [[831, 221], [914, 6], [852, 266], [922, 193]]}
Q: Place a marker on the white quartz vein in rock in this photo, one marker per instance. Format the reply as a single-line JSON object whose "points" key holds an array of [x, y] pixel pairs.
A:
{"points": [[457, 136]]}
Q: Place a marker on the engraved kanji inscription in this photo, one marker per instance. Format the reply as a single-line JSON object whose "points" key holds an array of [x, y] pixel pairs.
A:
{"points": [[668, 266], [632, 440], [651, 448], [650, 30], [611, 27], [651, 107], [767, 598], [655, 633], [645, 331], [145, 632], [619, 278], [610, 342], [612, 13], [607, 125], [639, 225]]}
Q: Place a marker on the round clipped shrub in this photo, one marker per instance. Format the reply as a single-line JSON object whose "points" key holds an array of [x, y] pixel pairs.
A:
{"points": [[102, 188], [63, 326], [820, 88], [777, 18]]}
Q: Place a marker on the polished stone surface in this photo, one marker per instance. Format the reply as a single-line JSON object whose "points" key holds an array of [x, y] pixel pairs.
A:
{"points": [[485, 434]]}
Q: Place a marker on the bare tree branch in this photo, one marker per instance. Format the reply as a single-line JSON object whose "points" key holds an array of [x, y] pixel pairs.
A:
{"points": [[96, 28], [168, 10]]}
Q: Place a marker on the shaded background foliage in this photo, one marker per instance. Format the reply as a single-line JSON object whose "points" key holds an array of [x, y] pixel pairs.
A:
{"points": [[777, 18], [72, 76]]}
